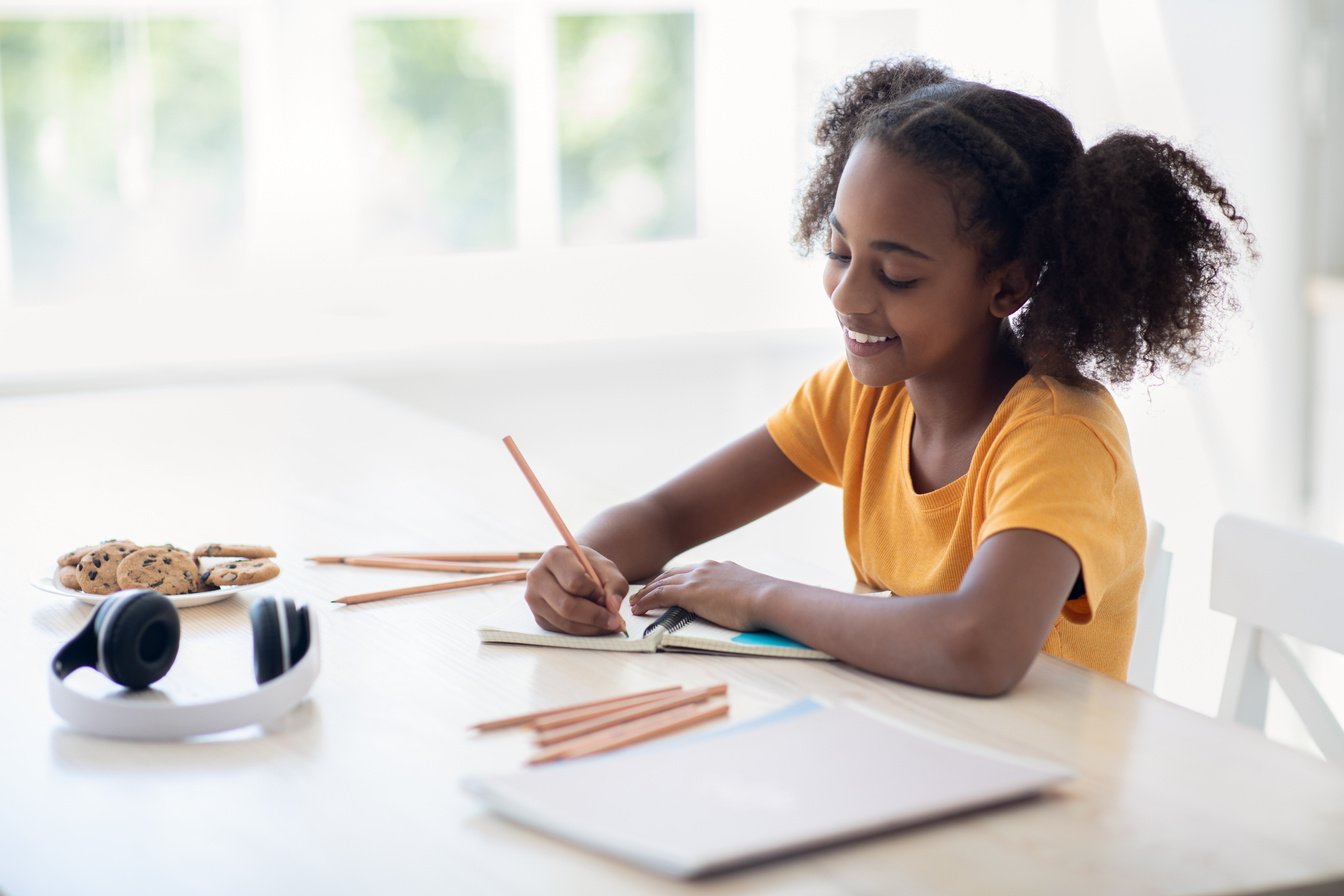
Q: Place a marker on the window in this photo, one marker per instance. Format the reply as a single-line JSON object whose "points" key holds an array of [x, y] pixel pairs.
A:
{"points": [[437, 168], [122, 154], [153, 159], [627, 123], [343, 168]]}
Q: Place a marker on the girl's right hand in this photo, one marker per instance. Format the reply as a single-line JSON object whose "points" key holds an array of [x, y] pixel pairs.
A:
{"points": [[564, 599]]}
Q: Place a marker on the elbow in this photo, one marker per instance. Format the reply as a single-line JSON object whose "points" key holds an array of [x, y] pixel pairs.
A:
{"points": [[984, 665]]}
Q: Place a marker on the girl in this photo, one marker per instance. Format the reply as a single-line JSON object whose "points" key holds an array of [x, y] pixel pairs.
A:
{"points": [[980, 262]]}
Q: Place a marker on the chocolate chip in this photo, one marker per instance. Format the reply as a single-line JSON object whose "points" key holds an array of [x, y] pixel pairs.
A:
{"points": [[97, 563], [92, 575]]}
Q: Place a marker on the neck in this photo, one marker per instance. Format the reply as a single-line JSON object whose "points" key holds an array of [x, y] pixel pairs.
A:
{"points": [[958, 404]]}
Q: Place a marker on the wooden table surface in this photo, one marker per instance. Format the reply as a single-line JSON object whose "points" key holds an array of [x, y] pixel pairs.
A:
{"points": [[357, 791]]}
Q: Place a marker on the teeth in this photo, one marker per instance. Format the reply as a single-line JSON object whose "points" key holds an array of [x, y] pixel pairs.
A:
{"points": [[864, 337]]}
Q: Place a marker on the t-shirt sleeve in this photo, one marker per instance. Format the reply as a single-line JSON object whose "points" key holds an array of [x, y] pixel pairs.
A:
{"points": [[813, 427], [1057, 475]]}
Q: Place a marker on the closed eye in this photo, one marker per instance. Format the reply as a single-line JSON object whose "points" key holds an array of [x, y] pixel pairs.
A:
{"points": [[898, 284], [836, 257]]}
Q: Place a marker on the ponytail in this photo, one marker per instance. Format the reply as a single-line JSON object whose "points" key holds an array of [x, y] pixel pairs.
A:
{"points": [[1136, 262]]}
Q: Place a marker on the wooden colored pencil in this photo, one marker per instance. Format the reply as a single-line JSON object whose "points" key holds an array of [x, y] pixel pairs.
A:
{"points": [[561, 719], [518, 557], [556, 734], [426, 565], [473, 582], [510, 721], [630, 733], [550, 509]]}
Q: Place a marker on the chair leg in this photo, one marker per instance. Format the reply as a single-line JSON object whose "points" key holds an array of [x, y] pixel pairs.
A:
{"points": [[1246, 687], [1283, 666]]}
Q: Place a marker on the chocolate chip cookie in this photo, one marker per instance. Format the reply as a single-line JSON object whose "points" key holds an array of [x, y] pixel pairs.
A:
{"points": [[70, 558], [246, 551], [167, 572], [68, 576], [242, 572], [98, 568]]}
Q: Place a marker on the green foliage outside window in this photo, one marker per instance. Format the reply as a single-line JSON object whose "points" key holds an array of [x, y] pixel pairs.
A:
{"points": [[438, 173], [122, 141], [627, 142]]}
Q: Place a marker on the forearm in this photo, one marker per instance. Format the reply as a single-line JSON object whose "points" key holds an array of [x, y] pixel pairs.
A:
{"points": [[936, 641], [637, 536]]}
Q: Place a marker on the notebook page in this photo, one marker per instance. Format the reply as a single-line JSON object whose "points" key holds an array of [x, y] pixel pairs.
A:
{"points": [[514, 624]]}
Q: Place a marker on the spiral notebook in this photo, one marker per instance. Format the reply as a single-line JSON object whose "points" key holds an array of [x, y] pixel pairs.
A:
{"points": [[704, 803], [676, 631]]}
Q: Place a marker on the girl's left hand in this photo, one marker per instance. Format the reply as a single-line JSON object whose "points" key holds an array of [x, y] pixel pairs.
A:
{"points": [[723, 593]]}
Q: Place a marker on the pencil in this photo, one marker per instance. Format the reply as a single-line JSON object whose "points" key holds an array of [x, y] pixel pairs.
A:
{"points": [[517, 576], [555, 734], [573, 716], [382, 562], [510, 721], [516, 557], [630, 733], [550, 509]]}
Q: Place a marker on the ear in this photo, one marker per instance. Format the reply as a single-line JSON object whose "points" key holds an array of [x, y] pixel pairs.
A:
{"points": [[1012, 288]]}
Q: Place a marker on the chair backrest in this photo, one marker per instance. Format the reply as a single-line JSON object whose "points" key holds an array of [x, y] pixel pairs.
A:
{"points": [[1152, 609], [1278, 581]]}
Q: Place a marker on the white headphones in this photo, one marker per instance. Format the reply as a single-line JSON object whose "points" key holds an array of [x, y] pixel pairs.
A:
{"points": [[132, 638]]}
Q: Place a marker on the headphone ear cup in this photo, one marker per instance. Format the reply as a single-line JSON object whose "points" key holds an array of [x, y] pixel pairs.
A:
{"points": [[300, 635], [138, 637], [276, 648]]}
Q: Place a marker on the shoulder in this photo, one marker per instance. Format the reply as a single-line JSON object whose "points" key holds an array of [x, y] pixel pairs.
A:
{"points": [[1048, 398], [1062, 416]]}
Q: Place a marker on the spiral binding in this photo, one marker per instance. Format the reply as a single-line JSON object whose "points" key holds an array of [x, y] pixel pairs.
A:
{"points": [[673, 619]]}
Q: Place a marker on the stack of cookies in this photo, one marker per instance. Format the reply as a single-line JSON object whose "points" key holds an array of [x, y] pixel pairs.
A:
{"points": [[117, 564]]}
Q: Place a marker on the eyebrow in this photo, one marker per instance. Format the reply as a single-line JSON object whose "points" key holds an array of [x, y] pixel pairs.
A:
{"points": [[883, 245]]}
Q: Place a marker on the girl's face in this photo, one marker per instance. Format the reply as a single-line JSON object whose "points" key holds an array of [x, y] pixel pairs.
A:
{"points": [[907, 289]]}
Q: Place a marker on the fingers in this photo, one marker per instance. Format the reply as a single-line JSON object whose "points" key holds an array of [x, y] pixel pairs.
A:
{"points": [[568, 616], [563, 598], [565, 568], [659, 593], [614, 585]]}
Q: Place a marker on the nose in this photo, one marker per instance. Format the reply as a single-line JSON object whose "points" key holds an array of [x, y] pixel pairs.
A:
{"points": [[849, 294]]}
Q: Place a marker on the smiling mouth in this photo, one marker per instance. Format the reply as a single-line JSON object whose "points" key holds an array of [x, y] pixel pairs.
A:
{"points": [[865, 338]]}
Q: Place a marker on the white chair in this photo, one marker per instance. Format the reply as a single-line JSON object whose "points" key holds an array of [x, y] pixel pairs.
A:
{"points": [[1152, 610], [1278, 581]]}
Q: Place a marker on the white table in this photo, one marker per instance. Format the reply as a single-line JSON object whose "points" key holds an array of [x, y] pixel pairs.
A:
{"points": [[357, 791]]}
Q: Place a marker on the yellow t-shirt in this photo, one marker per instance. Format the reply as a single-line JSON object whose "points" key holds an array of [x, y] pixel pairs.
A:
{"points": [[1055, 458]]}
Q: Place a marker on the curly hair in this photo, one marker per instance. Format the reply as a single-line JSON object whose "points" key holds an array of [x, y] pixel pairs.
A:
{"points": [[1130, 244]]}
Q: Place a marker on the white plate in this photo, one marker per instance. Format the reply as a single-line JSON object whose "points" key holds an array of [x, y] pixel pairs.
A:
{"points": [[47, 582]]}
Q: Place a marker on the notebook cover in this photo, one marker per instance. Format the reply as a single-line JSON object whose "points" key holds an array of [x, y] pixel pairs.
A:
{"points": [[700, 804]]}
